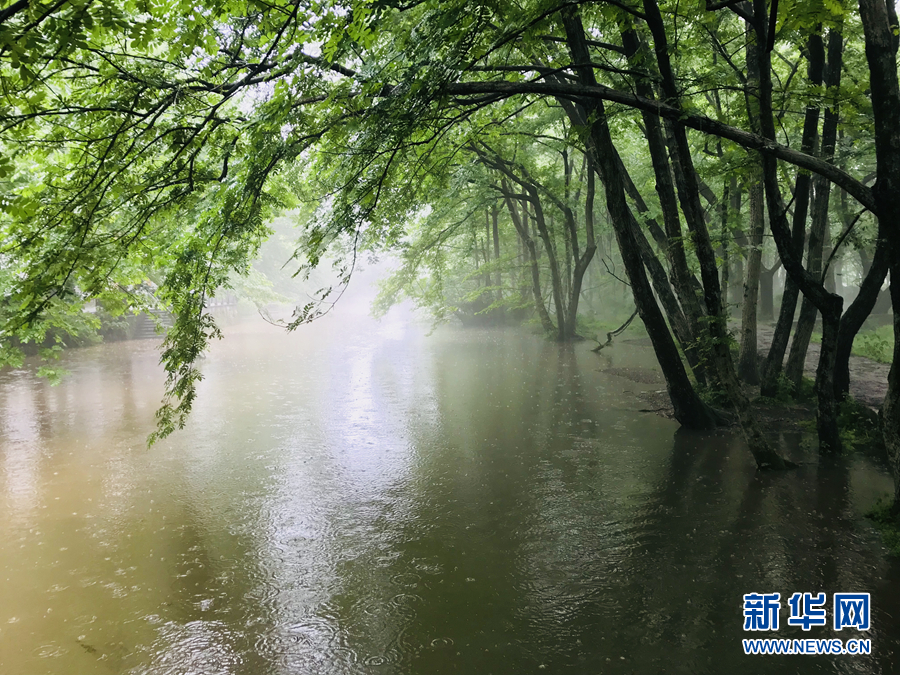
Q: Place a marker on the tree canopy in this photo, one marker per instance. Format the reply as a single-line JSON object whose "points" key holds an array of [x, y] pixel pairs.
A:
{"points": [[487, 143]]}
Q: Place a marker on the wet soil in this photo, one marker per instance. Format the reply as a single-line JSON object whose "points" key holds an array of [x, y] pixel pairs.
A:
{"points": [[868, 378]]}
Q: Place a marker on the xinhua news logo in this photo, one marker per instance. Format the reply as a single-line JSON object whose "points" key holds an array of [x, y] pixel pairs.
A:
{"points": [[762, 612]]}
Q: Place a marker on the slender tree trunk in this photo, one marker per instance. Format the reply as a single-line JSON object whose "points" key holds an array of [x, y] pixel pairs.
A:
{"points": [[725, 236], [583, 261], [681, 275], [555, 280], [689, 196], [479, 278], [532, 196], [767, 293], [661, 283], [839, 287], [772, 367], [522, 228], [737, 275], [734, 290], [881, 54], [819, 230], [666, 295], [856, 314], [690, 410], [523, 276], [748, 366], [830, 272], [828, 303], [808, 312], [487, 257], [495, 233]]}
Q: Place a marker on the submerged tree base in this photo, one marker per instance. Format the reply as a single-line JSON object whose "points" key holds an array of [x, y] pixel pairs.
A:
{"points": [[859, 424]]}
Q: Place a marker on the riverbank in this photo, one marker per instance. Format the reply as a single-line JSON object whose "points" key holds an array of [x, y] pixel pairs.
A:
{"points": [[868, 386], [868, 378]]}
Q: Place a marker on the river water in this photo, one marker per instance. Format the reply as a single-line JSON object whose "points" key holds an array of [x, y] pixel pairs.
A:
{"points": [[362, 497]]}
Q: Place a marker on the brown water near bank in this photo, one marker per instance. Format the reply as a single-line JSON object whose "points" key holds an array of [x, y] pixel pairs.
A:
{"points": [[362, 498]]}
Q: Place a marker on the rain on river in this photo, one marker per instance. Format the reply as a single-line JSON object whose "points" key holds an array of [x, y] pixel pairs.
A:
{"points": [[366, 497]]}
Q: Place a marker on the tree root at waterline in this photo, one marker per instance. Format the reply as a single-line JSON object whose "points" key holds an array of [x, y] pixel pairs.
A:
{"points": [[612, 334]]}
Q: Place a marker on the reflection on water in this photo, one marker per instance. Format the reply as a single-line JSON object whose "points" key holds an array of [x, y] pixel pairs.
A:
{"points": [[360, 498]]}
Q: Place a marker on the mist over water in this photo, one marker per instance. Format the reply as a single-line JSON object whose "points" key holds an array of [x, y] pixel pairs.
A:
{"points": [[363, 497]]}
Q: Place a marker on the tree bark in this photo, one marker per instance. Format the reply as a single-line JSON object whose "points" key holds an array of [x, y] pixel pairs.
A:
{"points": [[681, 275], [748, 365], [856, 314], [555, 280], [806, 322], [689, 197], [725, 236], [767, 292], [828, 303], [819, 229], [495, 232], [661, 283], [531, 248], [734, 290], [584, 260], [690, 410], [882, 58], [533, 197], [772, 367]]}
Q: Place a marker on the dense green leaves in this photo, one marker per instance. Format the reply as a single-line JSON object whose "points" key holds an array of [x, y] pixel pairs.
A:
{"points": [[158, 138]]}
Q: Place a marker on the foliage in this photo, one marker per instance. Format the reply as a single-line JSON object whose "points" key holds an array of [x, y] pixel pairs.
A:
{"points": [[887, 522], [859, 425], [716, 397], [877, 344], [159, 140]]}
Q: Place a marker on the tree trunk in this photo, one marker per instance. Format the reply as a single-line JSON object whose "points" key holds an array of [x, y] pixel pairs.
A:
{"points": [[831, 271], [881, 55], [734, 290], [531, 248], [532, 196], [583, 261], [690, 410], [856, 315], [555, 280], [495, 232], [487, 257], [748, 366], [772, 367], [681, 275], [661, 283], [819, 230], [767, 293], [828, 303], [806, 322], [689, 197], [725, 236]]}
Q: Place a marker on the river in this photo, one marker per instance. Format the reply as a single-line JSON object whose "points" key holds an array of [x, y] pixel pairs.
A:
{"points": [[362, 497]]}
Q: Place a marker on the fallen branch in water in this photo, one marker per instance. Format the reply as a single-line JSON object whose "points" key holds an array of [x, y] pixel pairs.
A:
{"points": [[610, 335]]}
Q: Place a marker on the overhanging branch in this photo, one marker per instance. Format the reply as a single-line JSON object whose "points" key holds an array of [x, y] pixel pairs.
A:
{"points": [[701, 123]]}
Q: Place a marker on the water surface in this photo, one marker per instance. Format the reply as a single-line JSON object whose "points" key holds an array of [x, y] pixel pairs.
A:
{"points": [[360, 497]]}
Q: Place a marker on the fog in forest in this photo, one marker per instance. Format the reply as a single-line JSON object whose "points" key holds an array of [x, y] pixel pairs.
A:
{"points": [[449, 337]]}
